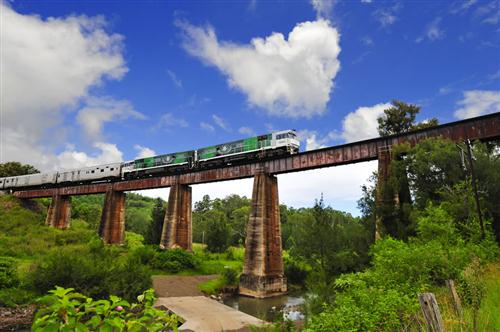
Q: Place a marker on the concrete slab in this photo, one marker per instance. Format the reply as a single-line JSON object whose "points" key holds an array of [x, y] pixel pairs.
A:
{"points": [[202, 314]]}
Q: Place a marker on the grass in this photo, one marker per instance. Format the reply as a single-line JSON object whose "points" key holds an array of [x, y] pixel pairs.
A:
{"points": [[488, 318]]}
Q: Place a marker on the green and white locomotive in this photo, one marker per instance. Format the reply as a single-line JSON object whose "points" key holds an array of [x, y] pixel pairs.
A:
{"points": [[257, 147]]}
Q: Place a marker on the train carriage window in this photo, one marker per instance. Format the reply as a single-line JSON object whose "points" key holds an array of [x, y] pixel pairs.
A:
{"points": [[102, 170], [112, 169], [92, 171]]}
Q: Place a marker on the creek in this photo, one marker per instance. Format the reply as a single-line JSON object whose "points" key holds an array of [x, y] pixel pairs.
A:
{"points": [[290, 304]]}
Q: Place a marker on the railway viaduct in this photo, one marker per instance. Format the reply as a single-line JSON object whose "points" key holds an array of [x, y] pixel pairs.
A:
{"points": [[263, 269]]}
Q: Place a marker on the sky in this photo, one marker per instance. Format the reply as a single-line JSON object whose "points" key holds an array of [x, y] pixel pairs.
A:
{"points": [[86, 83]]}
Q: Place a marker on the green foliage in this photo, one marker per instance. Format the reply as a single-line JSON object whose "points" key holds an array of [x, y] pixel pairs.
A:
{"points": [[218, 232], [8, 273], [174, 260], [329, 241], [94, 270], [14, 168], [230, 275], [472, 288], [133, 240], [295, 271], [66, 310], [15, 296], [153, 235], [400, 118]]}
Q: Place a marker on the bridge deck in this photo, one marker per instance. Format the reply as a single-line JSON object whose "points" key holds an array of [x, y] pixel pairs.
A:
{"points": [[484, 128], [202, 314]]}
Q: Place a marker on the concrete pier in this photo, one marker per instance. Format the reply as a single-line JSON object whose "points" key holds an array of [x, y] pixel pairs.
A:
{"points": [[112, 227], [263, 274], [59, 212], [177, 225]]}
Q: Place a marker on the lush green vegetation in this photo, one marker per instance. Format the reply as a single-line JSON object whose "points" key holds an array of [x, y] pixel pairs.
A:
{"points": [[65, 310]]}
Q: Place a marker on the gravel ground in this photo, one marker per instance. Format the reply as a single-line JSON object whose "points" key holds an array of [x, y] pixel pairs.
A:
{"points": [[173, 286]]}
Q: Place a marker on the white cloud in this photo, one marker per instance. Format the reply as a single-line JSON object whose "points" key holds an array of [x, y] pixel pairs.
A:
{"points": [[432, 31], [385, 16], [247, 131], [173, 77], [291, 77], [70, 159], [169, 120], [366, 1], [478, 102], [362, 123], [488, 13], [314, 141], [46, 65], [219, 121], [99, 110], [207, 127], [143, 152], [296, 189], [367, 41], [323, 8]]}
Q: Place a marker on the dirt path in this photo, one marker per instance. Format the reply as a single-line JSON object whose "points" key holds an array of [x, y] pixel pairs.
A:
{"points": [[173, 286]]}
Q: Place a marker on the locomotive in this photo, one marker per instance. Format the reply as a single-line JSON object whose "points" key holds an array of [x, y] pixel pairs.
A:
{"points": [[257, 147]]}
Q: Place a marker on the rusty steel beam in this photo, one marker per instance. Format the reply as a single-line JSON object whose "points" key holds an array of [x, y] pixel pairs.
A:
{"points": [[483, 128]]}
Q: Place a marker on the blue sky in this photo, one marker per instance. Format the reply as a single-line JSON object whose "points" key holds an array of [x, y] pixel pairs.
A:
{"points": [[93, 82]]}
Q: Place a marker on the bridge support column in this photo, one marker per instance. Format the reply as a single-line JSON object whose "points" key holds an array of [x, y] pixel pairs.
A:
{"points": [[112, 227], [177, 226], [263, 274], [59, 212]]}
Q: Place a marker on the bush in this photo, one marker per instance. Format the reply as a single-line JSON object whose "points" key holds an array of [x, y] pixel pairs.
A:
{"points": [[174, 260], [8, 273], [230, 276], [65, 310], [95, 271], [295, 272], [145, 254], [12, 297]]}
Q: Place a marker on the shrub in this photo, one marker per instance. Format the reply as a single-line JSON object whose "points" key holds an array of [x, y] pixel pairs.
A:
{"points": [[174, 260], [65, 310], [295, 272], [133, 240], [8, 273], [95, 271], [145, 254], [230, 275], [12, 297]]}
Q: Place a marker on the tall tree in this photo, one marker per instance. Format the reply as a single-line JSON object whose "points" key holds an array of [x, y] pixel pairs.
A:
{"points": [[400, 118], [14, 168], [156, 225]]}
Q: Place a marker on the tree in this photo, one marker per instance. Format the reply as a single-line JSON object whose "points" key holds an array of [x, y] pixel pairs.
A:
{"points": [[14, 168], [218, 231], [156, 225], [400, 118], [204, 205]]}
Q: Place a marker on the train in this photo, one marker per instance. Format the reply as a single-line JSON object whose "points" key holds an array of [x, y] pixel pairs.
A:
{"points": [[240, 151]]}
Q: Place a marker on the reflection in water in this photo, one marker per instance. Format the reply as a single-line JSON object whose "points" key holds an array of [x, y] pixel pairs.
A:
{"points": [[267, 309]]}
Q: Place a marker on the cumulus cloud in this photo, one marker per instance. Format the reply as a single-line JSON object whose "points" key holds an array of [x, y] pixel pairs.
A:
{"points": [[99, 110], [286, 77], [323, 8], [247, 131], [312, 140], [362, 123], [143, 152], [385, 17], [47, 65], [478, 102], [70, 158], [207, 127]]}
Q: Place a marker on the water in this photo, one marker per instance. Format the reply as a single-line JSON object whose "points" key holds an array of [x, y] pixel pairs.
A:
{"points": [[268, 309]]}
